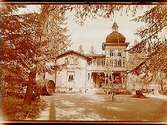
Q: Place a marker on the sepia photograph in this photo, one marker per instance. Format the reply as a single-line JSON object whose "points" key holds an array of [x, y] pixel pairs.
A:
{"points": [[99, 62]]}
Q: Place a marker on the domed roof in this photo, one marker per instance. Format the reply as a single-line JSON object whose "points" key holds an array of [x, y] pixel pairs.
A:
{"points": [[115, 36]]}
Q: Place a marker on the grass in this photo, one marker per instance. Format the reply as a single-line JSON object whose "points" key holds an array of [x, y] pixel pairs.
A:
{"points": [[13, 109]]}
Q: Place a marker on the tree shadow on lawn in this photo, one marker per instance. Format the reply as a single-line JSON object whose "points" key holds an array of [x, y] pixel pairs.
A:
{"points": [[13, 109]]}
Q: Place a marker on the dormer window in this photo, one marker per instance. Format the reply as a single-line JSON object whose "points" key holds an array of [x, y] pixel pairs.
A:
{"points": [[66, 61], [76, 61]]}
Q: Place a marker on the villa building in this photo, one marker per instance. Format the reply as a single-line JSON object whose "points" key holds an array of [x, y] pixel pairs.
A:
{"points": [[82, 71]]}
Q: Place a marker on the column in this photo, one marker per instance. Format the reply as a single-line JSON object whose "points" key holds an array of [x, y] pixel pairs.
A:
{"points": [[104, 79], [122, 62], [125, 79], [109, 78], [112, 77], [122, 80]]}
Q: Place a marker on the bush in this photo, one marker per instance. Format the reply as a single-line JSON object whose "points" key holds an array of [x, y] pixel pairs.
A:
{"points": [[13, 108], [44, 91], [139, 94], [163, 92]]}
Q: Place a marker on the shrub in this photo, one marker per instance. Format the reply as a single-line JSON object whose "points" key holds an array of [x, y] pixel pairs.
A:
{"points": [[13, 108]]}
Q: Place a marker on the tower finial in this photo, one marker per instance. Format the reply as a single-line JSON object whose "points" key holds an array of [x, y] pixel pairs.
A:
{"points": [[115, 26]]}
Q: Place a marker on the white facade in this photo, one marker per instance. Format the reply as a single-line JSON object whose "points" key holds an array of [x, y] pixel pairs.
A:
{"points": [[73, 75], [80, 71]]}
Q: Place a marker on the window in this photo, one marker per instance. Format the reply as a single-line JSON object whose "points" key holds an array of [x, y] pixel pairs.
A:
{"points": [[123, 54], [111, 53], [115, 63], [71, 75], [111, 63], [103, 62], [98, 62], [72, 61], [106, 62], [119, 63], [110, 77], [76, 61], [119, 54], [90, 62], [88, 76], [106, 78], [123, 61], [70, 78], [66, 61]]}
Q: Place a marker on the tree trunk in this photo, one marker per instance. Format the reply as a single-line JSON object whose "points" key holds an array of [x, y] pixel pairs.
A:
{"points": [[29, 91], [28, 95], [162, 88], [44, 76]]}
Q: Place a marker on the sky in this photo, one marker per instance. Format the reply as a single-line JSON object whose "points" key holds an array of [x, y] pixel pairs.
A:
{"points": [[94, 31]]}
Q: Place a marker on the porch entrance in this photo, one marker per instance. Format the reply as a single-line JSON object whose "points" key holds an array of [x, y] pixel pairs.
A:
{"points": [[117, 79], [98, 79]]}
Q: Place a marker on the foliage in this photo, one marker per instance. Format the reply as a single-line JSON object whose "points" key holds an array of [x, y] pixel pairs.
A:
{"points": [[24, 45], [13, 109], [55, 34], [154, 41], [83, 12], [18, 48]]}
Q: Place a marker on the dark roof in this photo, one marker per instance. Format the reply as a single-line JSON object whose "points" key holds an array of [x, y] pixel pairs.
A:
{"points": [[115, 37]]}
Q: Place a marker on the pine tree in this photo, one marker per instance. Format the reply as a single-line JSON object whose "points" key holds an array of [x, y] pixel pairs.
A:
{"points": [[18, 47], [153, 42], [56, 36], [25, 44]]}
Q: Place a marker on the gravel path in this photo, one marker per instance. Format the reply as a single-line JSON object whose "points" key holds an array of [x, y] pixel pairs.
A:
{"points": [[100, 107]]}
